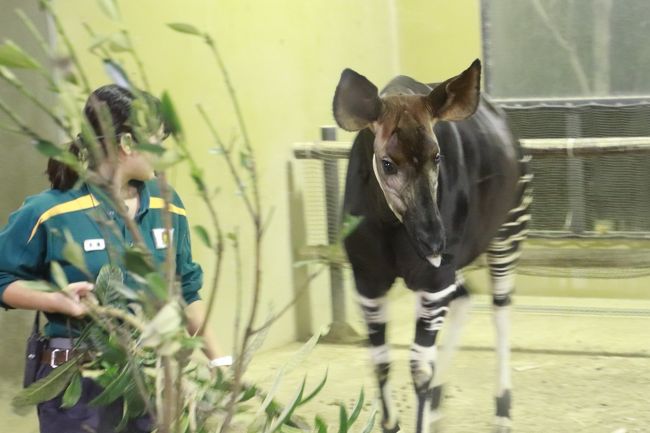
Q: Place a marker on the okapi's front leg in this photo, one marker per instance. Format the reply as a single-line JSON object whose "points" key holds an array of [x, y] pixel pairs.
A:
{"points": [[459, 308], [376, 316], [431, 311]]}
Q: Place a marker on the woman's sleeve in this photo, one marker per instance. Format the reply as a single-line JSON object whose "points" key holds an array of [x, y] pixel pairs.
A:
{"points": [[22, 249], [190, 272]]}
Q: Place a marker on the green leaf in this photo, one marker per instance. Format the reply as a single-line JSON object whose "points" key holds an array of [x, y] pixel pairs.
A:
{"points": [[166, 321], [288, 410], [169, 115], [168, 159], [113, 352], [320, 424], [74, 254], [48, 149], [13, 56], [158, 285], [110, 9], [197, 176], [357, 409], [315, 392], [248, 394], [126, 292], [58, 275], [9, 76], [136, 263], [48, 387], [343, 419], [202, 233], [371, 421], [299, 357], [119, 43], [188, 29], [73, 392], [41, 286], [133, 403], [350, 223], [114, 389], [150, 148], [245, 160], [271, 393], [109, 276]]}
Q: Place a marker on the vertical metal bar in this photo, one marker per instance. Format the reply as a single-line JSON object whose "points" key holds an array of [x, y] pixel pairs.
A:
{"points": [[575, 178], [332, 206], [485, 44]]}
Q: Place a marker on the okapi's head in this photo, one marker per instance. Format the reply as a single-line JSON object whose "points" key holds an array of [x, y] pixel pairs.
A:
{"points": [[406, 159]]}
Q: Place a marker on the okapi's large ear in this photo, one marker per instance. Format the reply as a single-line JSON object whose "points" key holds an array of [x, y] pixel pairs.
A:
{"points": [[458, 97], [356, 101]]}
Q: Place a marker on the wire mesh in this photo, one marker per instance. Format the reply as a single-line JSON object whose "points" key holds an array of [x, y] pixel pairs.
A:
{"points": [[591, 190]]}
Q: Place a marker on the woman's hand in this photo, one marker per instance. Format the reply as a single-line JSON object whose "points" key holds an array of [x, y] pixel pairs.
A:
{"points": [[70, 300]]}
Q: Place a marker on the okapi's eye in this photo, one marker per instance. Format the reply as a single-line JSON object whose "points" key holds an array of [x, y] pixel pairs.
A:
{"points": [[437, 158], [389, 167]]}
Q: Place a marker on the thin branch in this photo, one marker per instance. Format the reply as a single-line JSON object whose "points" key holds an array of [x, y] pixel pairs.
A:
{"points": [[138, 62], [229, 161], [301, 291], [214, 218], [44, 108], [71, 51], [170, 257], [238, 293], [42, 43], [18, 121], [583, 81]]}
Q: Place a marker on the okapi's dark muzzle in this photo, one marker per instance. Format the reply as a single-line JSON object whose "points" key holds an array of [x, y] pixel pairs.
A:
{"points": [[427, 234]]}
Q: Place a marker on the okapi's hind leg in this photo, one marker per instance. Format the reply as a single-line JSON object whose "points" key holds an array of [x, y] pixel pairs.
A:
{"points": [[375, 315], [431, 311], [502, 257]]}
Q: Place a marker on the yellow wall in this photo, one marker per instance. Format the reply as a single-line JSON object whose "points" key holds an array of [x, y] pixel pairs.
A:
{"points": [[284, 58], [438, 38]]}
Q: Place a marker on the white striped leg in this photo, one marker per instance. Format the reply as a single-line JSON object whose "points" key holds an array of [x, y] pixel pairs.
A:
{"points": [[375, 314], [502, 289], [459, 309], [431, 309]]}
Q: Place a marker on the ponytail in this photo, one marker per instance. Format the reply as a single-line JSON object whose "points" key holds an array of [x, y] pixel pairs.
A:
{"points": [[60, 175]]}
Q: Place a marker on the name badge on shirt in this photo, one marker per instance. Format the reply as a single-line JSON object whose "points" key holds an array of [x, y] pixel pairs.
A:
{"points": [[94, 245], [161, 238]]}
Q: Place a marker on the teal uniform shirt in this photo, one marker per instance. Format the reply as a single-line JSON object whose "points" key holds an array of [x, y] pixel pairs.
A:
{"points": [[34, 237]]}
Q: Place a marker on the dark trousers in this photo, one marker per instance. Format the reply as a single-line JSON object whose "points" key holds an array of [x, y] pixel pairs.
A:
{"points": [[83, 418]]}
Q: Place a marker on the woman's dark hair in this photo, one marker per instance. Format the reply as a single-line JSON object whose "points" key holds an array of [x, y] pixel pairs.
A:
{"points": [[118, 102]]}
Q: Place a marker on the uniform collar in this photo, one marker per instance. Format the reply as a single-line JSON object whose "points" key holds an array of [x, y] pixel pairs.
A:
{"points": [[102, 197]]}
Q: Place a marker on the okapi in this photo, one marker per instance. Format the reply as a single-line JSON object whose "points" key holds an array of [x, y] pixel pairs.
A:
{"points": [[437, 179]]}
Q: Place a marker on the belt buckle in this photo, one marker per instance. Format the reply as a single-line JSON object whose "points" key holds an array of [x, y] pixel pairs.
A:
{"points": [[53, 363]]}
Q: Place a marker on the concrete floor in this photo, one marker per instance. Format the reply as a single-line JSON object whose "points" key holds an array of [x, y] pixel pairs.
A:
{"points": [[579, 365]]}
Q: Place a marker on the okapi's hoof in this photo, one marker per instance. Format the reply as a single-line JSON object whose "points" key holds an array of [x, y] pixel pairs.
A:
{"points": [[394, 429], [436, 426], [436, 421], [503, 425]]}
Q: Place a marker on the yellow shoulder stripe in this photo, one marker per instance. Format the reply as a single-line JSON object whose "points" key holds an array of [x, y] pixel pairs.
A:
{"points": [[81, 203], [159, 203]]}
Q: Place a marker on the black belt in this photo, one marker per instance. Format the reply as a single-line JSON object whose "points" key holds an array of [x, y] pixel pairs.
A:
{"points": [[61, 350]]}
